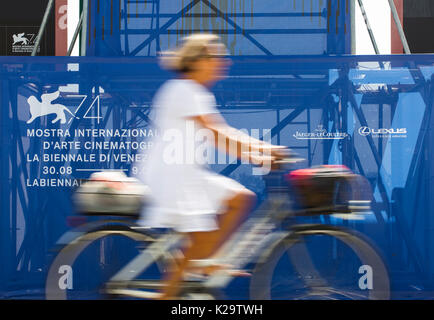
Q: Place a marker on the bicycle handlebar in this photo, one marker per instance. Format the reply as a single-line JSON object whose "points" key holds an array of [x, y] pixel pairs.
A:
{"points": [[282, 156]]}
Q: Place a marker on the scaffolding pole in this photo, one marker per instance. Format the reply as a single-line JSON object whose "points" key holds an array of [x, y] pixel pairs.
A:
{"points": [[84, 27], [42, 27], [77, 31], [368, 26], [353, 26], [399, 27]]}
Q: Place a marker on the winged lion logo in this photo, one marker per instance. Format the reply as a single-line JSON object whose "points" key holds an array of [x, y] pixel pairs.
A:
{"points": [[20, 38], [46, 107]]}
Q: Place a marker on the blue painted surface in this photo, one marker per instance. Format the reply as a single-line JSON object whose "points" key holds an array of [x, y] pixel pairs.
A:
{"points": [[248, 27]]}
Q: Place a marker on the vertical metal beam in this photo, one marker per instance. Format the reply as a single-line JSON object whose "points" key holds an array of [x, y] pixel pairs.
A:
{"points": [[428, 219], [13, 99], [309, 141], [325, 119], [277, 122], [77, 31], [368, 26], [42, 27], [353, 26], [126, 21], [378, 160], [6, 255], [377, 212], [399, 27], [85, 11], [158, 26], [348, 143], [152, 26]]}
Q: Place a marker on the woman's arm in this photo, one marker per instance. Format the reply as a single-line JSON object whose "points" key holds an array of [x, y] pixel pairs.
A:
{"points": [[233, 141]]}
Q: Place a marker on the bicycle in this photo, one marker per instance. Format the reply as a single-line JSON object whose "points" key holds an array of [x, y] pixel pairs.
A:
{"points": [[268, 242]]}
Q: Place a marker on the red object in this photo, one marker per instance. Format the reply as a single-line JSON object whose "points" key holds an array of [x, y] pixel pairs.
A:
{"points": [[308, 173], [61, 27], [320, 187], [110, 183], [397, 47]]}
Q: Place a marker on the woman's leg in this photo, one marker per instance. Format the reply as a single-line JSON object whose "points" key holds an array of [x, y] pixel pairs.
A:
{"points": [[205, 244], [236, 209]]}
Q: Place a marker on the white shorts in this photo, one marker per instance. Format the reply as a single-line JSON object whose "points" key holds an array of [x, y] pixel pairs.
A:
{"points": [[190, 204]]}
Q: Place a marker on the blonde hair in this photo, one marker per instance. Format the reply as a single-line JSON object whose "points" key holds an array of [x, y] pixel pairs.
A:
{"points": [[192, 48]]}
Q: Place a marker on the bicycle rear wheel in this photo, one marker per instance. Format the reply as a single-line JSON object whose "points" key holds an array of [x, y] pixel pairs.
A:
{"points": [[320, 262], [81, 268]]}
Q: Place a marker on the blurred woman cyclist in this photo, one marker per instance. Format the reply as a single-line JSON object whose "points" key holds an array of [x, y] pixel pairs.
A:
{"points": [[187, 196]]}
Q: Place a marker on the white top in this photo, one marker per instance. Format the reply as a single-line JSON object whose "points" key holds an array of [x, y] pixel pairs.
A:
{"points": [[186, 195]]}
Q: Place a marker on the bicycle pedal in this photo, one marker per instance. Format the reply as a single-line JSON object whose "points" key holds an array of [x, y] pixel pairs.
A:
{"points": [[135, 293]]}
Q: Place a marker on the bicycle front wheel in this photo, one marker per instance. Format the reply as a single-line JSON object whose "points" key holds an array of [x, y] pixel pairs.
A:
{"points": [[321, 262], [81, 268]]}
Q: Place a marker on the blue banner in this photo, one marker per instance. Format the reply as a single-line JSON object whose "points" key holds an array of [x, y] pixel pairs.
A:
{"points": [[65, 118]]}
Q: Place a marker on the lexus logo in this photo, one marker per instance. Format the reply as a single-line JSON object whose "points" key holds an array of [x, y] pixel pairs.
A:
{"points": [[364, 131]]}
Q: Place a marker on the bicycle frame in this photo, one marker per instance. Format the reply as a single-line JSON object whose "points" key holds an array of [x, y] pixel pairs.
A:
{"points": [[242, 248], [252, 239], [271, 230]]}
